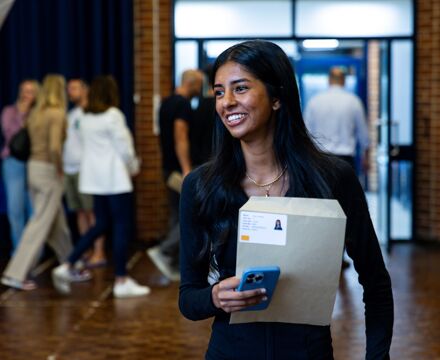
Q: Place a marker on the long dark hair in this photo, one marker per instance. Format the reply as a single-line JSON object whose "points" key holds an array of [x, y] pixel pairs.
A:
{"points": [[103, 94], [219, 192]]}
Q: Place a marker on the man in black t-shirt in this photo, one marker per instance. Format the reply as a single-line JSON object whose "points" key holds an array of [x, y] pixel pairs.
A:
{"points": [[175, 116], [202, 126], [202, 129]]}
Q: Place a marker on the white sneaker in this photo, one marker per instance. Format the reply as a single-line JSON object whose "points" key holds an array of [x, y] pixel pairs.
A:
{"points": [[163, 263], [61, 278], [63, 275], [17, 284], [129, 288]]}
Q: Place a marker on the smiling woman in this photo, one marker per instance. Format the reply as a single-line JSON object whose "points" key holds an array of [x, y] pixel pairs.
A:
{"points": [[243, 104], [262, 148]]}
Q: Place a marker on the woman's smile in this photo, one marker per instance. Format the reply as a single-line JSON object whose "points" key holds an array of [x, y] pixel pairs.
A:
{"points": [[235, 119]]}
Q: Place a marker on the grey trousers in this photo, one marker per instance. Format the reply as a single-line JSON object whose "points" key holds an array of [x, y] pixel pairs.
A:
{"points": [[48, 223], [170, 245]]}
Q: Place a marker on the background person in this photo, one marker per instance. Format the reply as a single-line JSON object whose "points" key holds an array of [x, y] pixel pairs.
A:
{"points": [[81, 204], [175, 120], [14, 171], [336, 119], [107, 162], [202, 125], [47, 131], [261, 139]]}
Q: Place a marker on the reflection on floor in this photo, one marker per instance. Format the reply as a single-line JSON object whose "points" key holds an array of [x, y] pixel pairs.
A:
{"points": [[92, 325]]}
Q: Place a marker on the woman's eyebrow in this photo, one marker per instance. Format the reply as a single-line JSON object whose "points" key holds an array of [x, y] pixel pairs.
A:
{"points": [[233, 82], [239, 81]]}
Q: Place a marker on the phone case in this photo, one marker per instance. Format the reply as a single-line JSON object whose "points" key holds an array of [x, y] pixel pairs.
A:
{"points": [[260, 277]]}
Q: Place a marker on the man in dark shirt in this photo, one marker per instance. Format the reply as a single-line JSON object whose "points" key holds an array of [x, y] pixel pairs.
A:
{"points": [[175, 116], [202, 126], [202, 131]]}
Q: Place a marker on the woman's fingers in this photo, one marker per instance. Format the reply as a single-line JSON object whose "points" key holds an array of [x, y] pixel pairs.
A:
{"points": [[243, 303], [229, 283], [226, 297], [239, 295], [227, 290], [235, 305]]}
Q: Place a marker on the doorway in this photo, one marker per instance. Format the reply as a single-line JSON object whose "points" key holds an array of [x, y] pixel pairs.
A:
{"points": [[378, 57], [380, 72]]}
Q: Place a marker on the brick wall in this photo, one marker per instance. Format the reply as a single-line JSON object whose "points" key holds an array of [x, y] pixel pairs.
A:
{"points": [[428, 120], [153, 67]]}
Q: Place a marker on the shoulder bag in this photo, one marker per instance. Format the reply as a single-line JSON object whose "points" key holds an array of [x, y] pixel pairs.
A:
{"points": [[20, 145]]}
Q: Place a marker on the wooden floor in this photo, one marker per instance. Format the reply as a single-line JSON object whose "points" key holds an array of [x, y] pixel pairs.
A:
{"points": [[92, 325]]}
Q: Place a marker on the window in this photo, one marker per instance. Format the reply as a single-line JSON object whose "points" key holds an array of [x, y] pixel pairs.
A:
{"points": [[186, 57], [354, 18], [228, 18], [402, 92]]}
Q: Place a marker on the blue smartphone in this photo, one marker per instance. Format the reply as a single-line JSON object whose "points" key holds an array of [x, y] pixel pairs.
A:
{"points": [[260, 277]]}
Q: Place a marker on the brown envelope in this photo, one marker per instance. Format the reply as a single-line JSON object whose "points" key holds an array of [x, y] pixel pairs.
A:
{"points": [[309, 255]]}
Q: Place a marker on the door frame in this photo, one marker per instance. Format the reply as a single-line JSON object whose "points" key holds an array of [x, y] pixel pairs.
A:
{"points": [[201, 57]]}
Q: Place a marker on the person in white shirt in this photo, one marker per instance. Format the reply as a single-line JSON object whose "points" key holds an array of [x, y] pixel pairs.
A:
{"points": [[336, 120], [108, 161], [81, 204]]}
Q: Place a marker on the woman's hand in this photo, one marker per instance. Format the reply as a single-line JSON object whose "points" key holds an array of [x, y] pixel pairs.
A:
{"points": [[134, 167], [225, 296]]}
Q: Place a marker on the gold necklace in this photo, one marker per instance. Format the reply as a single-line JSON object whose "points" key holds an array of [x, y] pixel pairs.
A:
{"points": [[270, 183]]}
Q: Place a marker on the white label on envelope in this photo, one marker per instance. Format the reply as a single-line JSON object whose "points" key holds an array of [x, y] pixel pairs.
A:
{"points": [[262, 228]]}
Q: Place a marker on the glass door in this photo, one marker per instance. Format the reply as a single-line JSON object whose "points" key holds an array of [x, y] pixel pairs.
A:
{"points": [[395, 143], [378, 198], [401, 140], [378, 56], [380, 72]]}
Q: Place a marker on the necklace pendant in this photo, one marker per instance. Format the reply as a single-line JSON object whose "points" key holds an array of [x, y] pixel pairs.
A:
{"points": [[269, 184]]}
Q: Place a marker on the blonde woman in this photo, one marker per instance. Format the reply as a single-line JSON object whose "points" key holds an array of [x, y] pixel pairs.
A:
{"points": [[14, 171], [47, 128]]}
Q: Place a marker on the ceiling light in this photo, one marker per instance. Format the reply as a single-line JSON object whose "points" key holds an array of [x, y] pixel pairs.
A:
{"points": [[320, 44]]}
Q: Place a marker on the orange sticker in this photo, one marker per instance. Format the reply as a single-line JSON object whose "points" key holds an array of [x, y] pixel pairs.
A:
{"points": [[245, 237]]}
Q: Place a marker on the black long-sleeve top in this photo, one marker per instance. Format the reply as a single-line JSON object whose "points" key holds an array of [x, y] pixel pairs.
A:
{"points": [[279, 340]]}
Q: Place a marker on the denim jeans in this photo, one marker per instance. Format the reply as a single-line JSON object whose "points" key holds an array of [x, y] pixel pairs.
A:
{"points": [[112, 212], [17, 197]]}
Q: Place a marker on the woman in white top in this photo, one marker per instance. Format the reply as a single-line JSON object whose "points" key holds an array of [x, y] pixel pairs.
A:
{"points": [[107, 164]]}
